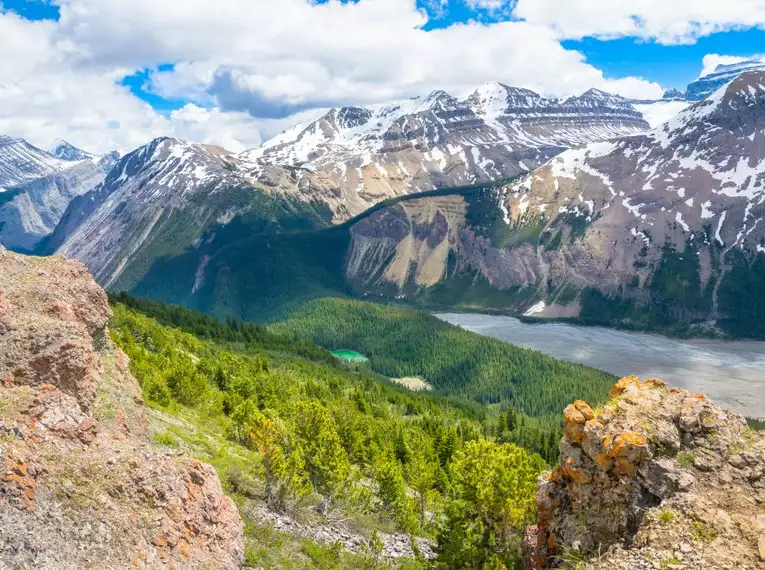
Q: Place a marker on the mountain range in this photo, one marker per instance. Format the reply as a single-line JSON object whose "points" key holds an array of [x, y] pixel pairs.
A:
{"points": [[170, 194], [505, 217], [664, 226], [364, 155], [36, 186], [659, 230]]}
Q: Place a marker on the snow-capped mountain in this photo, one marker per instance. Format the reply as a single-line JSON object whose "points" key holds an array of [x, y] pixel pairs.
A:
{"points": [[672, 219], [706, 166], [158, 200], [66, 151], [36, 187], [708, 84], [365, 155], [334, 168], [32, 210], [21, 161]]}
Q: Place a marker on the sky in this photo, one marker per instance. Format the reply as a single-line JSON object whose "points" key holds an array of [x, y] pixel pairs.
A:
{"points": [[114, 74]]}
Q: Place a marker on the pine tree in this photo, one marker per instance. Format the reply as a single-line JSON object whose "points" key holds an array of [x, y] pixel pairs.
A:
{"points": [[501, 426], [423, 471], [512, 419], [492, 501], [325, 459]]}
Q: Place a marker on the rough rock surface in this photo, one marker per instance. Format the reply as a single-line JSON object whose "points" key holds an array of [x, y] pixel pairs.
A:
{"points": [[659, 478], [394, 545], [81, 486]]}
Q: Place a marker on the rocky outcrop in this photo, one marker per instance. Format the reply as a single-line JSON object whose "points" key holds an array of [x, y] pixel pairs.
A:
{"points": [[81, 485], [657, 478]]}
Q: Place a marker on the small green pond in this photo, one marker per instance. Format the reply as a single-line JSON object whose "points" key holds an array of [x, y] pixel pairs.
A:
{"points": [[351, 355]]}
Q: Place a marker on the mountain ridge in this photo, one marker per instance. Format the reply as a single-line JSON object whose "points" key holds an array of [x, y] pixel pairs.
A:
{"points": [[39, 186]]}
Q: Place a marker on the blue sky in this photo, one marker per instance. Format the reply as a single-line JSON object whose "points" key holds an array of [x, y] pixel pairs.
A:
{"points": [[237, 71]]}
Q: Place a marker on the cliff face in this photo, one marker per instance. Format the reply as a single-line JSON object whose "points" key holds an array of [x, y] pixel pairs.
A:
{"points": [[81, 486], [659, 478]]}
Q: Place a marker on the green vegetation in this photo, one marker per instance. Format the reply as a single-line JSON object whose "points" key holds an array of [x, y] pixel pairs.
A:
{"points": [[755, 424], [704, 532], [401, 342], [676, 281], [740, 296], [666, 516], [288, 428], [670, 562], [685, 459], [492, 502]]}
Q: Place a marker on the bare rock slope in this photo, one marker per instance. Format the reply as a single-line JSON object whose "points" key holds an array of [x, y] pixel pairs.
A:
{"points": [[81, 486], [658, 478]]}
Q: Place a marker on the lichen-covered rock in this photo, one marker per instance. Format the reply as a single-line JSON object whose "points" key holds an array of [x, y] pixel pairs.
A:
{"points": [[80, 484], [658, 478]]}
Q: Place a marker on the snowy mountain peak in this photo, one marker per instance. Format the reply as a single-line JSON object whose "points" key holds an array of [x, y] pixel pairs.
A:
{"points": [[598, 98], [437, 100], [21, 161], [66, 151], [490, 90], [673, 94], [708, 84]]}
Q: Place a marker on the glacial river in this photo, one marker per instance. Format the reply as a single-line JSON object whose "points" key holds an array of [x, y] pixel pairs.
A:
{"points": [[732, 373]]}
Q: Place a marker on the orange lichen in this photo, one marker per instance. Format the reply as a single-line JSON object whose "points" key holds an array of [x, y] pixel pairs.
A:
{"points": [[626, 443], [584, 409], [576, 473], [634, 382], [574, 417]]}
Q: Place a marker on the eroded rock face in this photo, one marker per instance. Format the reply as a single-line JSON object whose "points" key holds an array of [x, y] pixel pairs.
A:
{"points": [[659, 478], [81, 486]]}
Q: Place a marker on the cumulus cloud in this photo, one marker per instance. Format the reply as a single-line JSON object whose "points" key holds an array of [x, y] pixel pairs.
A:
{"points": [[246, 67], [712, 60], [666, 21], [490, 5]]}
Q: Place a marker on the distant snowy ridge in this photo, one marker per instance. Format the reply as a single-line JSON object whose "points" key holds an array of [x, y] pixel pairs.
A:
{"points": [[39, 186]]}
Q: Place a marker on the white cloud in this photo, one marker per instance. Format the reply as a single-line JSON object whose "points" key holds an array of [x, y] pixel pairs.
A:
{"points": [[490, 5], [660, 112], [666, 21], [247, 65], [712, 60]]}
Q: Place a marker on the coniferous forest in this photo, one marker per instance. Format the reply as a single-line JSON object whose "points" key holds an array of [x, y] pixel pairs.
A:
{"points": [[291, 427]]}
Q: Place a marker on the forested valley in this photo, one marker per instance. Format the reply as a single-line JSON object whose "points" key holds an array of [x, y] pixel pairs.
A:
{"points": [[293, 428]]}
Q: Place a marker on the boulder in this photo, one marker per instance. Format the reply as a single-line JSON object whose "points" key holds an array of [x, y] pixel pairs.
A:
{"points": [[657, 478]]}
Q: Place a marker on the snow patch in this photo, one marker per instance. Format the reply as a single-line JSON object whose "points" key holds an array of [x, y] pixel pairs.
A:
{"points": [[536, 309]]}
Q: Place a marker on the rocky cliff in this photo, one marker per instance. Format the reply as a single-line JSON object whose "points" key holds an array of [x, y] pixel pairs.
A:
{"points": [[657, 478], [81, 485], [704, 86]]}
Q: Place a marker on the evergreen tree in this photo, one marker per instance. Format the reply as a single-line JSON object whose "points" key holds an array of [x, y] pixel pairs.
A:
{"points": [[325, 459], [492, 502]]}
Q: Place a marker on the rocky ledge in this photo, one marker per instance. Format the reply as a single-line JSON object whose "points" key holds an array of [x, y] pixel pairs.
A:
{"points": [[81, 485], [657, 478]]}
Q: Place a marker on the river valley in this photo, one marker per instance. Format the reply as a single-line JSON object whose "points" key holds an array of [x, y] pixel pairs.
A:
{"points": [[732, 373]]}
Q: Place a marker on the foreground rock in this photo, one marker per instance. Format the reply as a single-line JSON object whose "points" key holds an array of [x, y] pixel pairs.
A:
{"points": [[660, 478], [81, 486]]}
